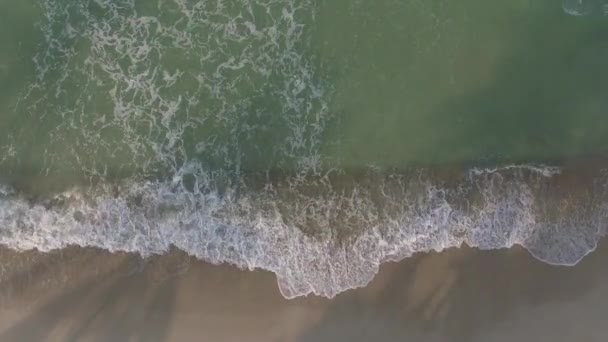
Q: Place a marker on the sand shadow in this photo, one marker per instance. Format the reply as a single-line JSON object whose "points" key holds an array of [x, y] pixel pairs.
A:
{"points": [[113, 304], [38, 325], [453, 296]]}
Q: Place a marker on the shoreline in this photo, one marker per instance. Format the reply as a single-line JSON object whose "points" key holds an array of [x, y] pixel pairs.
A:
{"points": [[332, 235]]}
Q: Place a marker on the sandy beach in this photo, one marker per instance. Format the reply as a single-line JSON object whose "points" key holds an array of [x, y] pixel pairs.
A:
{"points": [[458, 295]]}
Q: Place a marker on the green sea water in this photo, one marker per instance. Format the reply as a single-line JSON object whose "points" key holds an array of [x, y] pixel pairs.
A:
{"points": [[265, 133], [445, 81], [383, 83]]}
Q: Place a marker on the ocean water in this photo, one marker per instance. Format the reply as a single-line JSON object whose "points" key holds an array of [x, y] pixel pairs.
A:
{"points": [[315, 139]]}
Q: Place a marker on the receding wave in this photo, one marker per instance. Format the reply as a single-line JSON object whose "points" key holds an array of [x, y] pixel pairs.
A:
{"points": [[323, 235]]}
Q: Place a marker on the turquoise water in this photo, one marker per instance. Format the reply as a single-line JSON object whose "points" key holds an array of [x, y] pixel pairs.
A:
{"points": [[436, 82], [314, 139]]}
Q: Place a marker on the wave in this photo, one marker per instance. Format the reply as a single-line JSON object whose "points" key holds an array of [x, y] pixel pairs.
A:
{"points": [[322, 237]]}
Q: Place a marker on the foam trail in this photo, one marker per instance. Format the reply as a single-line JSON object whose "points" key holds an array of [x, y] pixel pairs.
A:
{"points": [[585, 7], [545, 170]]}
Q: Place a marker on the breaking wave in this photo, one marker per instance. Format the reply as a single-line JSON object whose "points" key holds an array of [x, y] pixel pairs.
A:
{"points": [[324, 236]]}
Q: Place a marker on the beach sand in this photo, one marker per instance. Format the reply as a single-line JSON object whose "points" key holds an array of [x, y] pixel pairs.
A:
{"points": [[461, 294]]}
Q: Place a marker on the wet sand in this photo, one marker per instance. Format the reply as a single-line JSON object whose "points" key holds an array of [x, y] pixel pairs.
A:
{"points": [[458, 295]]}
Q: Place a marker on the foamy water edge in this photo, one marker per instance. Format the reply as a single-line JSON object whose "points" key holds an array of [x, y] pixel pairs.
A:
{"points": [[250, 233]]}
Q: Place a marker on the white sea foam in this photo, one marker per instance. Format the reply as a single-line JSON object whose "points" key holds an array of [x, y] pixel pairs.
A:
{"points": [[585, 7], [545, 170], [138, 92], [262, 229]]}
